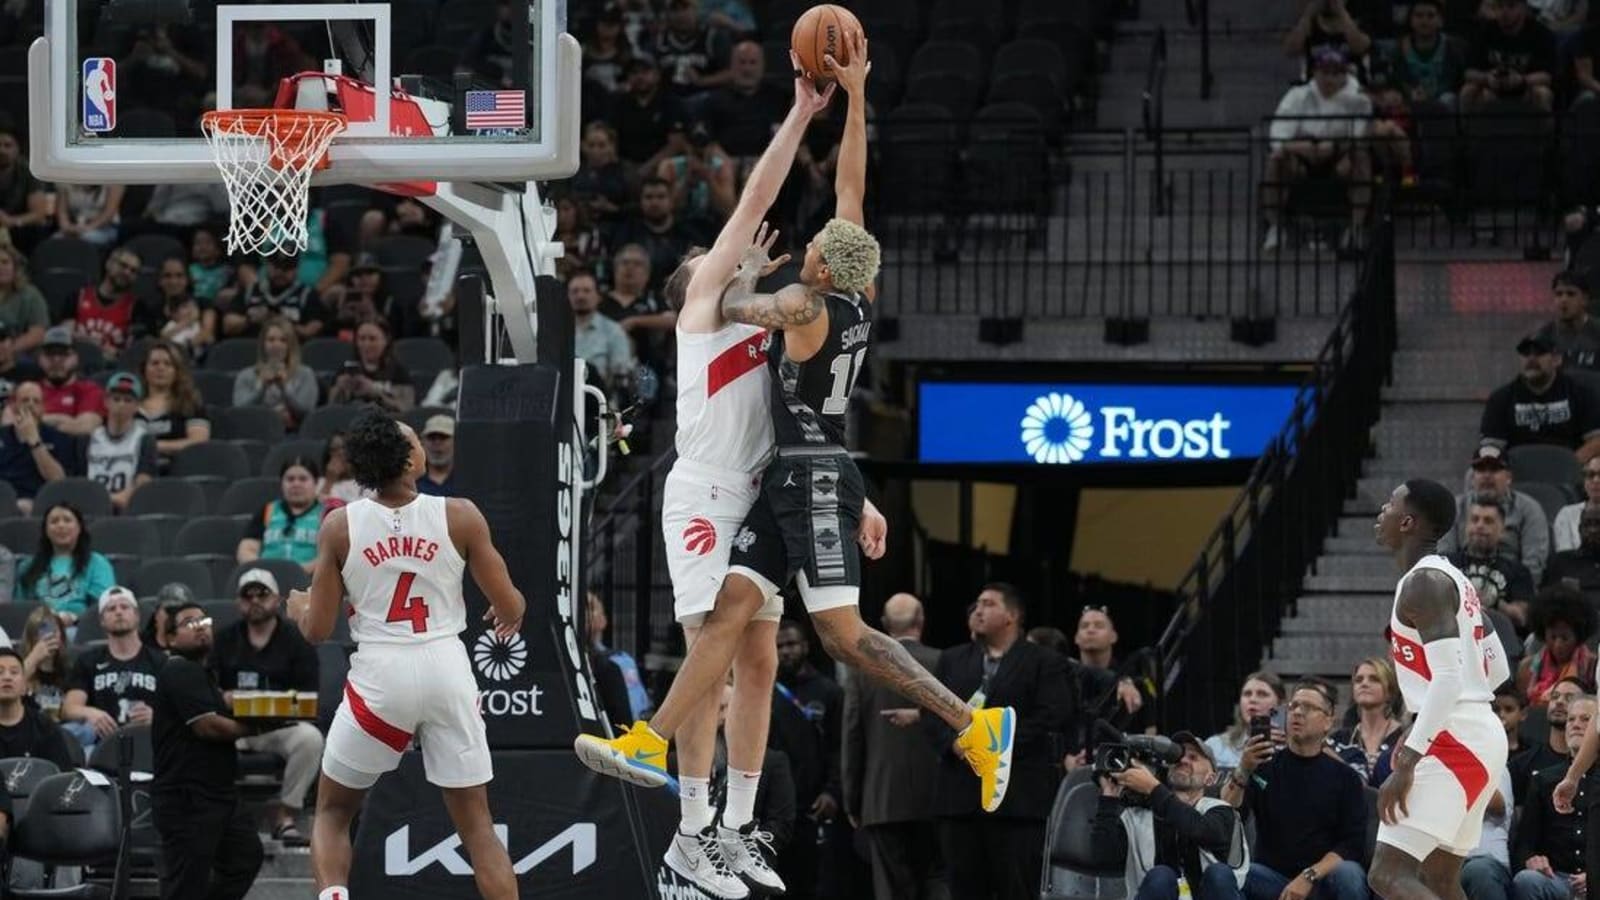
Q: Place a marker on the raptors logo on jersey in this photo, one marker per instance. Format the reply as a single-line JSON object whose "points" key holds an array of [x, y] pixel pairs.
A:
{"points": [[700, 537]]}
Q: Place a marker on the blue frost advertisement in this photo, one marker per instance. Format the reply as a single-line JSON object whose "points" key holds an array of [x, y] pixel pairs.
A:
{"points": [[1057, 423]]}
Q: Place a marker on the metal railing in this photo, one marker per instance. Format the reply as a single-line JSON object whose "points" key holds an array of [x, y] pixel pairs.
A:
{"points": [[625, 562], [1153, 112], [1234, 596], [1198, 13]]}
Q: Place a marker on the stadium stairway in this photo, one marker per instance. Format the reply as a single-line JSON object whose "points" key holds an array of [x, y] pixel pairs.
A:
{"points": [[1453, 350]]}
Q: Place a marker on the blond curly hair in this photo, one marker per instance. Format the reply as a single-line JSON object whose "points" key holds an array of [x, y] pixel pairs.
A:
{"points": [[851, 254]]}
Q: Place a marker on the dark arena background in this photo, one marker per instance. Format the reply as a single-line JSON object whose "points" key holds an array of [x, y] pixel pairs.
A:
{"points": [[1174, 294]]}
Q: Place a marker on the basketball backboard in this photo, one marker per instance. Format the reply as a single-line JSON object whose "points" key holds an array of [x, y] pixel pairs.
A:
{"points": [[117, 88]]}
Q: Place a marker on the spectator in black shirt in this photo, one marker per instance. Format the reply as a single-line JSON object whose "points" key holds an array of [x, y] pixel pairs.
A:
{"points": [[113, 684], [1543, 405], [24, 201], [1549, 846], [692, 56], [743, 114], [1553, 750], [13, 369], [1000, 853], [644, 116], [276, 292], [1309, 807], [656, 230], [31, 453], [1326, 23], [639, 310], [1502, 582], [820, 700], [1580, 568], [601, 182], [24, 731], [265, 652], [1513, 59], [209, 846], [1574, 333]]}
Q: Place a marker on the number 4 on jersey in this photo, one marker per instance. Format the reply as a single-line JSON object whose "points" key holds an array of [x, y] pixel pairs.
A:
{"points": [[405, 608]]}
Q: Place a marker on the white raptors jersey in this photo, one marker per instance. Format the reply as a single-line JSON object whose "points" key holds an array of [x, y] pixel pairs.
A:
{"points": [[1483, 666], [403, 574], [723, 397]]}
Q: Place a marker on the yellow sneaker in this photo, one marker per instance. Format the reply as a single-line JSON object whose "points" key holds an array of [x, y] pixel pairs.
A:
{"points": [[637, 756], [987, 746]]}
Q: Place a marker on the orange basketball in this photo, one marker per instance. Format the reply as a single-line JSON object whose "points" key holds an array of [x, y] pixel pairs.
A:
{"points": [[820, 32]]}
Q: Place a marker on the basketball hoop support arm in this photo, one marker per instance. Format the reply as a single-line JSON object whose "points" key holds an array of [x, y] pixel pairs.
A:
{"points": [[514, 234]]}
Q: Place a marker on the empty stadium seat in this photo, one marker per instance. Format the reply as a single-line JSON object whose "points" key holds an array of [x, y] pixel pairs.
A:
{"points": [[258, 423], [1032, 56], [209, 536], [945, 56], [88, 495], [326, 354], [1071, 868], [418, 416], [217, 459], [14, 616], [126, 536], [67, 253], [20, 535], [71, 821], [216, 388], [424, 353], [248, 496], [8, 500], [301, 448], [154, 249], [1551, 497], [325, 420], [157, 572], [231, 355], [1544, 462], [955, 91]]}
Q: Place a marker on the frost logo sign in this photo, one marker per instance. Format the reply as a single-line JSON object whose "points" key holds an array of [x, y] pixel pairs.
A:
{"points": [[1057, 429], [1049, 424]]}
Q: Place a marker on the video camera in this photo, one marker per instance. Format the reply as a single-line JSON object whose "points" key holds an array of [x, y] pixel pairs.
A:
{"points": [[1117, 752]]}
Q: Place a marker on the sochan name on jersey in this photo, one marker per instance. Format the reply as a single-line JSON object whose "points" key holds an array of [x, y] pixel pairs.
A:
{"points": [[1128, 435], [855, 334]]}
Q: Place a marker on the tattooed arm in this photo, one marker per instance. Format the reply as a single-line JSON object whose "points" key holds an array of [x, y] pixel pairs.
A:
{"points": [[792, 306]]}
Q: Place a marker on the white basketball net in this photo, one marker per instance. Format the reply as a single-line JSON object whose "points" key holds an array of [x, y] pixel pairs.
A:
{"points": [[266, 157]]}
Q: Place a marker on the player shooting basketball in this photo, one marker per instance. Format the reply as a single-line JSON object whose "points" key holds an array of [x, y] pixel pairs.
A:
{"points": [[812, 495]]}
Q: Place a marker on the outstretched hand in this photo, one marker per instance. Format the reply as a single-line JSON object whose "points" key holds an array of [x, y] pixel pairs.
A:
{"points": [[758, 259], [806, 97], [853, 78], [502, 629]]}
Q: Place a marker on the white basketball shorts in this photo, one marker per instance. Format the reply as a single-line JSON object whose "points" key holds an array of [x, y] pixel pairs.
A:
{"points": [[397, 692], [1452, 786], [702, 508]]}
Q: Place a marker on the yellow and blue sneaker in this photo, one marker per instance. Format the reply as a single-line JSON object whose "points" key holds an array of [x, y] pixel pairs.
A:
{"points": [[986, 744], [637, 756]]}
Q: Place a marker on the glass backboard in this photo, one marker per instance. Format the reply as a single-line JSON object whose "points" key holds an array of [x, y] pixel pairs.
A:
{"points": [[486, 90]]}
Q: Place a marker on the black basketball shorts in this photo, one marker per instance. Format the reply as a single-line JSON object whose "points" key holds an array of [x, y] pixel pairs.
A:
{"points": [[803, 527]]}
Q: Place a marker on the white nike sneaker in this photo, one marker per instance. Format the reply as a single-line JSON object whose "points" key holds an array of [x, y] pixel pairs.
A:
{"points": [[698, 857], [747, 851]]}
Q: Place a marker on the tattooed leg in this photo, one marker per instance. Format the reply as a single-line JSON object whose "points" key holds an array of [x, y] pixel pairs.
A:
{"points": [[852, 642]]}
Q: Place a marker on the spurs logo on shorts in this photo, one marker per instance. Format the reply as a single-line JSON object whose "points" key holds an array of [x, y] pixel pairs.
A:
{"points": [[700, 537]]}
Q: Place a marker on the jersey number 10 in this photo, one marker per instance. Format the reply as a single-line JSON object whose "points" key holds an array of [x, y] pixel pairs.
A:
{"points": [[845, 370], [405, 608]]}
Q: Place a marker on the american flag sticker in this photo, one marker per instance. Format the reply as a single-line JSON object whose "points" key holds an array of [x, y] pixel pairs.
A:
{"points": [[496, 109]]}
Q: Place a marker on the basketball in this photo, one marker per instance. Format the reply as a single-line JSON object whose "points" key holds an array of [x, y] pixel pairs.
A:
{"points": [[819, 33]]}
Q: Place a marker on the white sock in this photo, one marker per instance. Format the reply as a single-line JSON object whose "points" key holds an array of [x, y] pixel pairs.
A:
{"points": [[334, 893], [741, 806], [694, 796]]}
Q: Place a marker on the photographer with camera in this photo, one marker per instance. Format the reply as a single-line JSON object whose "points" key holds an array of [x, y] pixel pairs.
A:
{"points": [[1309, 806], [1170, 834]]}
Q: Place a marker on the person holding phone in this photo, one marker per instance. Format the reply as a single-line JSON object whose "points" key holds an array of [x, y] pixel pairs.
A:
{"points": [[1260, 693]]}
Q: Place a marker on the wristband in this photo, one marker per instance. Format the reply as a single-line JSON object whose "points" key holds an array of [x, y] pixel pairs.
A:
{"points": [[35, 445], [1309, 874]]}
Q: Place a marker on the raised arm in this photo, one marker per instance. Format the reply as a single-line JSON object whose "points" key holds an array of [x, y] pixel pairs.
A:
{"points": [[488, 567], [760, 190], [850, 177], [317, 618]]}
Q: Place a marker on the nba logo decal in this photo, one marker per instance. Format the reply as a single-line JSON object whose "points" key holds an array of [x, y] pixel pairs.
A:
{"points": [[99, 94], [700, 537]]}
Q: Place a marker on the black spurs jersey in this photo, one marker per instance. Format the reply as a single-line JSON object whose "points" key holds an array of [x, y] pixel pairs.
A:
{"points": [[809, 399]]}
